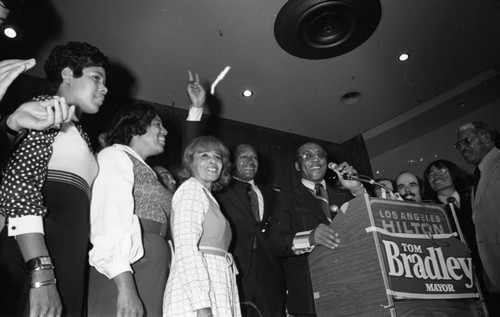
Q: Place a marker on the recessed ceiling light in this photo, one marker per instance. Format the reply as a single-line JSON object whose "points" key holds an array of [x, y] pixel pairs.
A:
{"points": [[247, 93], [404, 57], [10, 32]]}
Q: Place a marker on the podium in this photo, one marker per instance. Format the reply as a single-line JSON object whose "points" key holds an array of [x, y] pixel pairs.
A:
{"points": [[395, 258]]}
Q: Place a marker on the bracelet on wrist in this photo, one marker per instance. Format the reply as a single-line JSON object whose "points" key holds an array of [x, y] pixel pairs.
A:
{"points": [[40, 268], [39, 263], [43, 283]]}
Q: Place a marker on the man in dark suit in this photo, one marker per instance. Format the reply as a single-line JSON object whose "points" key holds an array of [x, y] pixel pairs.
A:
{"points": [[260, 278], [301, 222]]}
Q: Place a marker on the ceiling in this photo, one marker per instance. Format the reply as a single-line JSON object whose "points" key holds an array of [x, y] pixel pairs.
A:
{"points": [[454, 47]]}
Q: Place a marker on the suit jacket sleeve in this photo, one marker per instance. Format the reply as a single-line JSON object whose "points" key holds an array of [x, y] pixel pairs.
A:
{"points": [[282, 231]]}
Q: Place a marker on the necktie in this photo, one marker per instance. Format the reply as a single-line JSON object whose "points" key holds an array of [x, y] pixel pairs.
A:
{"points": [[254, 201], [321, 194], [477, 176]]}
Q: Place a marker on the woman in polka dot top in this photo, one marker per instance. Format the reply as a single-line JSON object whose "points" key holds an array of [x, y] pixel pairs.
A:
{"points": [[45, 195]]}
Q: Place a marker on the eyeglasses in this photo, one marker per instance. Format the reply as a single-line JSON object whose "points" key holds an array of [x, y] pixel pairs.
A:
{"points": [[465, 141], [307, 156], [439, 172]]}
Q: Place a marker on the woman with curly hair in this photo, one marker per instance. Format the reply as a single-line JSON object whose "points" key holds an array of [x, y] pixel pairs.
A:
{"points": [[202, 281], [129, 219], [45, 194]]}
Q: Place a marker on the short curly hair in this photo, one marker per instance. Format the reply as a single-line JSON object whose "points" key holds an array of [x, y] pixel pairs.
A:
{"points": [[129, 121], [76, 56], [204, 144]]}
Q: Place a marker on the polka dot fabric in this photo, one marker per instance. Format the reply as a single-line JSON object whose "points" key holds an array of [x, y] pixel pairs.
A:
{"points": [[26, 172]]}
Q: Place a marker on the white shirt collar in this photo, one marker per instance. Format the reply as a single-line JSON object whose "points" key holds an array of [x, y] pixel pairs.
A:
{"points": [[131, 151], [250, 181], [311, 185], [444, 199]]}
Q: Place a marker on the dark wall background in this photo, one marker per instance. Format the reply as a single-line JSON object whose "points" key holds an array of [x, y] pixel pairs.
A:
{"points": [[276, 149]]}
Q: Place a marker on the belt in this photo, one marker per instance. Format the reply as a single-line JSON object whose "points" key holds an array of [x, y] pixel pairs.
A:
{"points": [[230, 263], [152, 226]]}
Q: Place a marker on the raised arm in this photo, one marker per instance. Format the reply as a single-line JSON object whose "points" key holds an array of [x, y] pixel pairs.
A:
{"points": [[41, 115], [196, 92], [193, 126], [10, 69]]}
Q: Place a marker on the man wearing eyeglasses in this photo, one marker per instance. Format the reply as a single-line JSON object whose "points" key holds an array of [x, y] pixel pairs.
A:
{"points": [[476, 143], [302, 221]]}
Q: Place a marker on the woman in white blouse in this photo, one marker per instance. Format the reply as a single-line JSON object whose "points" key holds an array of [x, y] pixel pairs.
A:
{"points": [[129, 220], [202, 280]]}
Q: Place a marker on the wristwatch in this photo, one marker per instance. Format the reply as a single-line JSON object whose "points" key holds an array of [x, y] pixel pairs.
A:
{"points": [[39, 263]]}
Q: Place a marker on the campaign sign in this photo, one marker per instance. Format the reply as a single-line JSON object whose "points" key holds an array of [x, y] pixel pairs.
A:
{"points": [[426, 266], [411, 218]]}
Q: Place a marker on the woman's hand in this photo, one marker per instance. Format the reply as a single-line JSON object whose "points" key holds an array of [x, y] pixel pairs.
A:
{"points": [[45, 301], [10, 69], [128, 303], [204, 312], [40, 115], [196, 92]]}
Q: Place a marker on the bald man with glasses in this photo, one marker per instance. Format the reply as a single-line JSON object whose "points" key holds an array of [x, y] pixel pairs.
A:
{"points": [[302, 221]]}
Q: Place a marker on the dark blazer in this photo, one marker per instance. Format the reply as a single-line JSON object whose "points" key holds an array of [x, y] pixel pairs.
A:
{"points": [[260, 274], [296, 211]]}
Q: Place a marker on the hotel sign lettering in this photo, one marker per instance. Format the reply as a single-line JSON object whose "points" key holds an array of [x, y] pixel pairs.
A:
{"points": [[397, 217]]}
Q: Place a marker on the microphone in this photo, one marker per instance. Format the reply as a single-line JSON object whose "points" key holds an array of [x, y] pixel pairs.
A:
{"points": [[362, 178], [332, 165], [353, 177]]}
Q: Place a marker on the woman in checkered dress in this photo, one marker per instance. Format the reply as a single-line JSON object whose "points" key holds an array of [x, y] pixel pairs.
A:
{"points": [[202, 280]]}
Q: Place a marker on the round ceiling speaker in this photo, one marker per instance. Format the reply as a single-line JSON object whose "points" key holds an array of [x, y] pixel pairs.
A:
{"points": [[319, 29]]}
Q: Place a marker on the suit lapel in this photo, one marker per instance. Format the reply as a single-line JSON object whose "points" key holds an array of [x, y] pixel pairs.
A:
{"points": [[239, 195], [312, 204], [486, 175]]}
